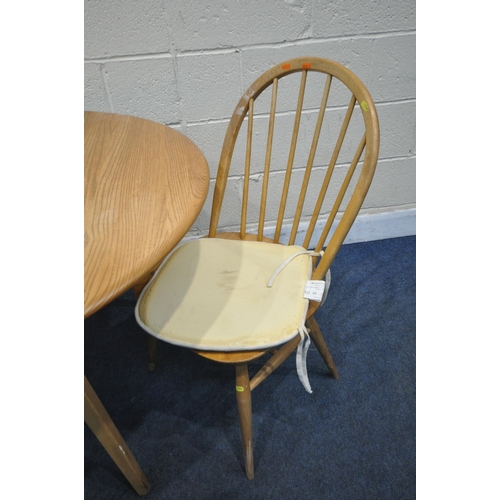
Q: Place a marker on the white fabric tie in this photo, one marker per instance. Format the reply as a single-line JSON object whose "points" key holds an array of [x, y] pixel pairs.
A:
{"points": [[305, 340], [287, 261], [301, 361], [328, 280]]}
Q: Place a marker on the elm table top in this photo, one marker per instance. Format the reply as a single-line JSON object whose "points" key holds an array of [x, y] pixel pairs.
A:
{"points": [[145, 184]]}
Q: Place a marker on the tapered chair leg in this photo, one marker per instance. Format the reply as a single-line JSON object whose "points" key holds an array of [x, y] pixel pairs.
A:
{"points": [[319, 342], [244, 401]]}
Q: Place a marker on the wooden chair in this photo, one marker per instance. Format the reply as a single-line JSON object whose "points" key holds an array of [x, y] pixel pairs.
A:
{"points": [[343, 99]]}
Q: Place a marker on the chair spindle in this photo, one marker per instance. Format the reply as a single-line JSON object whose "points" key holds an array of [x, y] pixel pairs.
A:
{"points": [[341, 193], [267, 165], [329, 172], [310, 160], [291, 157], [246, 179]]}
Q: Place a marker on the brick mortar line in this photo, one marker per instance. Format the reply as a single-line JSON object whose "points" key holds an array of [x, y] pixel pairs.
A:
{"points": [[305, 219], [316, 167], [215, 121], [237, 48]]}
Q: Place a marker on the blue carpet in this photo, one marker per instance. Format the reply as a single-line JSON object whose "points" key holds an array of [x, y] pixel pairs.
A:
{"points": [[351, 439]]}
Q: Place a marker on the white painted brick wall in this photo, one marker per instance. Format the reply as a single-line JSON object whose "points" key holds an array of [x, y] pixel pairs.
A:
{"points": [[186, 63]]}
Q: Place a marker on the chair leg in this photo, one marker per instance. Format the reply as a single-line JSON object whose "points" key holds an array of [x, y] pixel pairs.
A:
{"points": [[319, 342], [244, 401], [278, 357], [152, 345]]}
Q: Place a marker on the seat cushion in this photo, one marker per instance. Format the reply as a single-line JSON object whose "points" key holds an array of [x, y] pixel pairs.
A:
{"points": [[212, 294]]}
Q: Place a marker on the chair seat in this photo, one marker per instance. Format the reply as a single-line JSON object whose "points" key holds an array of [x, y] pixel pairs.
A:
{"points": [[212, 294]]}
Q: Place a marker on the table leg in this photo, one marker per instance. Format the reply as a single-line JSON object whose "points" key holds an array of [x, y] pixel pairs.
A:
{"points": [[97, 418]]}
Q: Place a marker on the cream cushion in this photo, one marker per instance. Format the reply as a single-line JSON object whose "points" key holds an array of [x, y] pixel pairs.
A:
{"points": [[212, 294]]}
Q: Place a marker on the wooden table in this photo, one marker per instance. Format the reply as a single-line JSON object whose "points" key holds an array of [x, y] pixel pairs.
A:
{"points": [[145, 184]]}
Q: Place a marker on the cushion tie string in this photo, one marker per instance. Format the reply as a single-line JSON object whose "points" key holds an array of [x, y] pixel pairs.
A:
{"points": [[301, 357], [328, 279], [287, 261], [305, 340]]}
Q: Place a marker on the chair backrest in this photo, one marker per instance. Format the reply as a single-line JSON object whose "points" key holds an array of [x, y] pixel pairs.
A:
{"points": [[351, 137]]}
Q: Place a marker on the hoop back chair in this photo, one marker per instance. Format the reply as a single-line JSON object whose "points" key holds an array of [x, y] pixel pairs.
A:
{"points": [[201, 296]]}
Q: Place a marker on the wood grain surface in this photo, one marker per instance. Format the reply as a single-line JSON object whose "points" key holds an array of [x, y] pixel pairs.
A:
{"points": [[145, 184]]}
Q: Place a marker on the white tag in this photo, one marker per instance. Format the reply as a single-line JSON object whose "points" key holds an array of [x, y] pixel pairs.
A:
{"points": [[314, 290]]}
